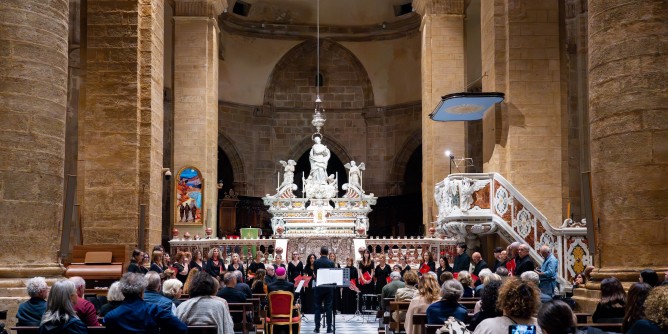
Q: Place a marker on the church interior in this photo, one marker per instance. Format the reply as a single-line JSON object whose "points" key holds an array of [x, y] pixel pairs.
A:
{"points": [[197, 124]]}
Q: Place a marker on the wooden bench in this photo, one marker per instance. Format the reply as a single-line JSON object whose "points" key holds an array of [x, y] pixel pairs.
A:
{"points": [[103, 330], [583, 317], [397, 306], [469, 304], [244, 309], [431, 329]]}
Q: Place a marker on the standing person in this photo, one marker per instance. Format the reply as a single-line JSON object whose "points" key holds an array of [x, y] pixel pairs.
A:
{"points": [[523, 261], [548, 271], [323, 293], [497, 259], [137, 262], [31, 311], [479, 263], [511, 254], [181, 264], [166, 261], [404, 266], [135, 315], [428, 259], [256, 265], [85, 310], [349, 296], [443, 266], [366, 274], [295, 267], [236, 265], [382, 274], [214, 265], [156, 262], [462, 260], [307, 292], [197, 260], [59, 316], [337, 291]]}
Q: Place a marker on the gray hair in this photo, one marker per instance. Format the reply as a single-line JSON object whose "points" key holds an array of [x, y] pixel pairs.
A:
{"points": [[530, 276], [132, 284], [452, 290], [484, 273], [35, 286], [395, 275], [59, 306], [153, 281], [502, 271], [114, 294], [238, 274], [268, 266], [171, 287], [228, 277], [78, 282], [433, 274]]}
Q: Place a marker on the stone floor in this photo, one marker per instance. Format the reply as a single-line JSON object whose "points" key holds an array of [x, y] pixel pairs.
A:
{"points": [[345, 324]]}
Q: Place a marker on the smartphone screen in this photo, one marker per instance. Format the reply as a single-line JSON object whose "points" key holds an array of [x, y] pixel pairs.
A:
{"points": [[522, 329]]}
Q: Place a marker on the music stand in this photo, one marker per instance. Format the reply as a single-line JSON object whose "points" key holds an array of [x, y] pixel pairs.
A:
{"points": [[333, 278], [298, 291]]}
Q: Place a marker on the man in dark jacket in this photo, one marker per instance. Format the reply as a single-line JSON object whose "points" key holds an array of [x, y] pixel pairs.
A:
{"points": [[232, 295], [31, 311], [479, 263], [462, 260], [241, 286], [323, 293], [281, 284], [523, 261]]}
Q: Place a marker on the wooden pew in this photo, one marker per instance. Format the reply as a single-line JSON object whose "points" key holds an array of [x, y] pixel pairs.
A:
{"points": [[244, 309], [397, 306], [583, 317], [431, 329], [103, 330]]}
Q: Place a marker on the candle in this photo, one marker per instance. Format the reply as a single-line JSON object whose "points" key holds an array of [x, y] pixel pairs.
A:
{"points": [[568, 211]]}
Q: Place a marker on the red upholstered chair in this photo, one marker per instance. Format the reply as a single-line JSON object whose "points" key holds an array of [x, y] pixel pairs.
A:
{"points": [[281, 311]]}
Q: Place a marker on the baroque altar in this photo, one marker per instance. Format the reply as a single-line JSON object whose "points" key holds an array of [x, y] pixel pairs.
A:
{"points": [[320, 218]]}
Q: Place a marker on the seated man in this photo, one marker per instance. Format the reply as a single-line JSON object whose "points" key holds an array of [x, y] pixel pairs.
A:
{"points": [[31, 311], [532, 276], [85, 310], [241, 285], [152, 294], [228, 292], [390, 289], [281, 283], [271, 274], [135, 315]]}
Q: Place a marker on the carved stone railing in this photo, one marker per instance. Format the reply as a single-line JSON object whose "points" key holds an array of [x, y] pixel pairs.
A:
{"points": [[411, 248], [486, 203]]}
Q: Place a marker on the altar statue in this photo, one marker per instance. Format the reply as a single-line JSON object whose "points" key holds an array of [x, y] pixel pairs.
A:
{"points": [[319, 156], [288, 172], [355, 173]]}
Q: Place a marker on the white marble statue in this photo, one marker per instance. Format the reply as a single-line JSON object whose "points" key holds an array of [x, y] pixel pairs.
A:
{"points": [[355, 173], [288, 172], [319, 157]]}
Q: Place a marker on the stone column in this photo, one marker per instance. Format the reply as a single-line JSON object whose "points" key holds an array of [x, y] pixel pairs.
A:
{"points": [[522, 138], [442, 73], [120, 129], [628, 99], [196, 98], [33, 103]]}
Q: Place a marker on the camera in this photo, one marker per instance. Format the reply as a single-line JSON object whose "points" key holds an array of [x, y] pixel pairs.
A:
{"points": [[167, 173]]}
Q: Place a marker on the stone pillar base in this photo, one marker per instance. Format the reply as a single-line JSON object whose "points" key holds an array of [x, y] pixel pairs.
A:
{"points": [[628, 275], [30, 271]]}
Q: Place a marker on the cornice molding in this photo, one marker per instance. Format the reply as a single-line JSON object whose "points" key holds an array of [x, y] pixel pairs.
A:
{"points": [[208, 8], [447, 7], [393, 30]]}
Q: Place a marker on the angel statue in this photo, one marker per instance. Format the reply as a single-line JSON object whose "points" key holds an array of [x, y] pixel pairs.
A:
{"points": [[355, 173], [288, 172]]}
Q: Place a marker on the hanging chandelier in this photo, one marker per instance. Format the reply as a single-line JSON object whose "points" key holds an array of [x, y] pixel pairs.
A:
{"points": [[319, 115]]}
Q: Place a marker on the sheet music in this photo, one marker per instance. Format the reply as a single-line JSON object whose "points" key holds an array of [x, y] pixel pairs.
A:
{"points": [[327, 276], [299, 286]]}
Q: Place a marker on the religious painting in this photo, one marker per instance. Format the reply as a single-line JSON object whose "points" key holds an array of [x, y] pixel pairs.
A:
{"points": [[189, 195]]}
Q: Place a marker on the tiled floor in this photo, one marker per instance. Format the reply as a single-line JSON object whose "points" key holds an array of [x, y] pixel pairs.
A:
{"points": [[345, 324]]}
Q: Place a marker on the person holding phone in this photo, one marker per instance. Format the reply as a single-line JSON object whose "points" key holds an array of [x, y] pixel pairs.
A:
{"points": [[518, 300]]}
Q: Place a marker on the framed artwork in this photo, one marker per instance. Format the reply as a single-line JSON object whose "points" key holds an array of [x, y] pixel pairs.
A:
{"points": [[189, 197]]}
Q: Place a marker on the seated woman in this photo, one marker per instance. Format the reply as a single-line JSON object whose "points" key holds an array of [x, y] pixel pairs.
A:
{"points": [[635, 305], [464, 277], [656, 317], [172, 289], [407, 293], [613, 299], [59, 316], [448, 306], [114, 299], [519, 301], [203, 307], [259, 285], [428, 292], [488, 301]]}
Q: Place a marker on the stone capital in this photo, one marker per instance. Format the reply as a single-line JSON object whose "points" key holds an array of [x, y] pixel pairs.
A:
{"points": [[208, 8], [448, 7]]}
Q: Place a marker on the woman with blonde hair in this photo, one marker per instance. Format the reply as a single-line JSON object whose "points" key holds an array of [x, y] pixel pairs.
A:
{"points": [[464, 277], [156, 262], [186, 285], [428, 292]]}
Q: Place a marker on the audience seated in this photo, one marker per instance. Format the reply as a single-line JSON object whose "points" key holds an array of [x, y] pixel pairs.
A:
{"points": [[533, 277], [281, 283], [270, 274], [464, 277], [114, 299], [428, 292], [204, 307], [613, 299], [556, 317], [579, 281], [135, 315], [259, 285], [152, 294], [656, 314], [518, 301], [448, 306], [30, 312], [407, 293], [390, 289], [59, 316], [228, 292], [487, 302], [446, 276], [481, 278], [650, 277], [85, 310], [503, 272], [241, 285], [635, 304], [172, 289]]}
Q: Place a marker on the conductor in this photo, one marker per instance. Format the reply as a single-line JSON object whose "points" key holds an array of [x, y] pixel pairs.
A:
{"points": [[323, 293]]}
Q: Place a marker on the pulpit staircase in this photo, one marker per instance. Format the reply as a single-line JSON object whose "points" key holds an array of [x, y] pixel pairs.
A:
{"points": [[472, 204]]}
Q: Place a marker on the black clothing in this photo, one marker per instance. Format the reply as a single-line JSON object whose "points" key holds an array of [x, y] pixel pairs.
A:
{"points": [[194, 264], [232, 295], [323, 294], [231, 268], [156, 267], [381, 275], [348, 296], [136, 268], [31, 311], [462, 263], [258, 287], [72, 326], [281, 285], [243, 287], [432, 266], [524, 265], [214, 268], [179, 268], [404, 270], [440, 271], [480, 316], [498, 264], [269, 279], [294, 270], [109, 306], [608, 314], [254, 266], [480, 266]]}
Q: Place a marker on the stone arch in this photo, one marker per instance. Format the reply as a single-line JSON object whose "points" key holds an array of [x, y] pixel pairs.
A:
{"points": [[237, 163], [404, 154], [292, 83], [305, 144]]}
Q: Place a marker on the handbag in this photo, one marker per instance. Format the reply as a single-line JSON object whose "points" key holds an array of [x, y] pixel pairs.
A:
{"points": [[453, 326]]}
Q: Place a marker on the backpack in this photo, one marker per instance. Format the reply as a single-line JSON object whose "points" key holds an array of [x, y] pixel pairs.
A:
{"points": [[453, 326]]}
